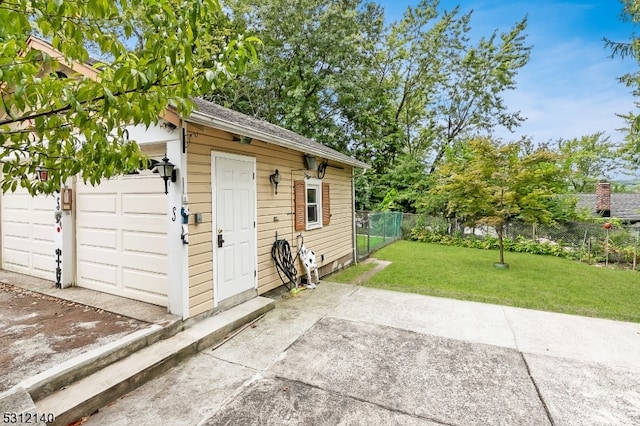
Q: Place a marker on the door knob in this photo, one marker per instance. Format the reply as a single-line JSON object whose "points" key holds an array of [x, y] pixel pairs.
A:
{"points": [[220, 240]]}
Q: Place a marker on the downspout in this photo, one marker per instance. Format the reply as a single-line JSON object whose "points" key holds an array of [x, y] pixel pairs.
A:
{"points": [[353, 215]]}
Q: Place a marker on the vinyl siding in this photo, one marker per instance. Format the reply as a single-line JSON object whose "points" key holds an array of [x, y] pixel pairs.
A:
{"points": [[275, 212]]}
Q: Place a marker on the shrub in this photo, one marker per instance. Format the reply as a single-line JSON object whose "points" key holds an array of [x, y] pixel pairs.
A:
{"points": [[519, 245]]}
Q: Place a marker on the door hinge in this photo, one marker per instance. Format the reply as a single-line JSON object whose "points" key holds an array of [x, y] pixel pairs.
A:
{"points": [[254, 224], [255, 273], [254, 176]]}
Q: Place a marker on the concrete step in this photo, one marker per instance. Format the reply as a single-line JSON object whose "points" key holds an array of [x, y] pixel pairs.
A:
{"points": [[90, 393], [70, 371]]}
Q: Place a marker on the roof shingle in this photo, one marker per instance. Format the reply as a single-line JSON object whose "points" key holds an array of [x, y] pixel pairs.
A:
{"points": [[267, 132], [624, 206]]}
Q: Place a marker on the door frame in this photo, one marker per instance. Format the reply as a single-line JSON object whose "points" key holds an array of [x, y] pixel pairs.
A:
{"points": [[214, 219]]}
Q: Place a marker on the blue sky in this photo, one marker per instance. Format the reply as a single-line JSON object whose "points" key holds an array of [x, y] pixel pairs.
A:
{"points": [[569, 88]]}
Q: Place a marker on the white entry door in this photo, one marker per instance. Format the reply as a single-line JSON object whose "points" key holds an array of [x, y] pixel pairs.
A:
{"points": [[234, 233]]}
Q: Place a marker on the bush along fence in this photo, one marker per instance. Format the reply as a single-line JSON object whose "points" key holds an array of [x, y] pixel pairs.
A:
{"points": [[587, 242], [375, 230]]}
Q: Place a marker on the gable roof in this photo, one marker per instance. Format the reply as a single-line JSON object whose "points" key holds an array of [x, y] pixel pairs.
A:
{"points": [[214, 115], [47, 48], [623, 206]]}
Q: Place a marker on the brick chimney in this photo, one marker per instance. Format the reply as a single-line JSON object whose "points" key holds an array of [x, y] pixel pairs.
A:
{"points": [[603, 199]]}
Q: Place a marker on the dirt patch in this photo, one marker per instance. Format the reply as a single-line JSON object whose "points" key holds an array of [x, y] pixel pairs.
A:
{"points": [[38, 331]]}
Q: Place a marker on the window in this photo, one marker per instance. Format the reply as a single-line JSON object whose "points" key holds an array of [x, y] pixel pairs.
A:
{"points": [[314, 203]]}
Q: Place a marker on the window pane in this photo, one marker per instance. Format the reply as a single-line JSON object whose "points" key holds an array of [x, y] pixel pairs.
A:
{"points": [[311, 195], [312, 214]]}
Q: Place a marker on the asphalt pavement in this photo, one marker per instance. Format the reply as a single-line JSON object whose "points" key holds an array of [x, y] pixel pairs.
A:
{"points": [[349, 355]]}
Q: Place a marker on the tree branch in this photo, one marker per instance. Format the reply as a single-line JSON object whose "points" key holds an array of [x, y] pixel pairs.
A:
{"points": [[68, 106]]}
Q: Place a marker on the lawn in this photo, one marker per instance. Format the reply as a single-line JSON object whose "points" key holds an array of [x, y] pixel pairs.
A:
{"points": [[351, 273], [362, 242], [532, 281]]}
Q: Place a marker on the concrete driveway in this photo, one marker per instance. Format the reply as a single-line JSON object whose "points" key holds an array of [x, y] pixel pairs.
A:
{"points": [[350, 355]]}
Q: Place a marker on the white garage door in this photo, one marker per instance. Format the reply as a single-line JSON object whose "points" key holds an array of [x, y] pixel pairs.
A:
{"points": [[121, 232], [28, 233]]}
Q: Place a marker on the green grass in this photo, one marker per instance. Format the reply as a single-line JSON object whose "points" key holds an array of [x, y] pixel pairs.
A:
{"points": [[362, 242], [532, 281], [349, 274]]}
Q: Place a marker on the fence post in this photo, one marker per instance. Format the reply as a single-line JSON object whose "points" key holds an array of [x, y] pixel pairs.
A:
{"points": [[635, 249], [368, 234], [384, 230]]}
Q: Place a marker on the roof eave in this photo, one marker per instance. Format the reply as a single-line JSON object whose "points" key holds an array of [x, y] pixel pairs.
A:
{"points": [[207, 120]]}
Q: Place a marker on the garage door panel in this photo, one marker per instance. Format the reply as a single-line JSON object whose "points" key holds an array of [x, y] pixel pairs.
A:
{"points": [[97, 220], [20, 243], [10, 216], [16, 257], [43, 247], [13, 229], [147, 223], [43, 217], [98, 203], [98, 273], [144, 204], [42, 233], [103, 238], [145, 262], [144, 242], [28, 233], [122, 225], [43, 262], [20, 199], [95, 254], [128, 184], [21, 215], [144, 224], [136, 280], [43, 203], [106, 186]]}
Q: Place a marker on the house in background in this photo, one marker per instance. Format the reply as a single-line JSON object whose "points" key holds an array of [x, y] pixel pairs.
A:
{"points": [[623, 206], [206, 244]]}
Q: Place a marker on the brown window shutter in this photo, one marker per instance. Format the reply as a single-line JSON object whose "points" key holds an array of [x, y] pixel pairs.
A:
{"points": [[300, 203], [326, 204]]}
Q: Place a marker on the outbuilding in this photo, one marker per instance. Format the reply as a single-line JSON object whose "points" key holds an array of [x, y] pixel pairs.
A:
{"points": [[238, 185]]}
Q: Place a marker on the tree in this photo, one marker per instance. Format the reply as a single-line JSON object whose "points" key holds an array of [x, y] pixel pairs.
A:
{"points": [[311, 60], [630, 151], [407, 183], [332, 71], [587, 159], [487, 183], [450, 87], [75, 125]]}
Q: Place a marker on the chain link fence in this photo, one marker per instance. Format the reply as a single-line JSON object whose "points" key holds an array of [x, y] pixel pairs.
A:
{"points": [[589, 242], [375, 230]]}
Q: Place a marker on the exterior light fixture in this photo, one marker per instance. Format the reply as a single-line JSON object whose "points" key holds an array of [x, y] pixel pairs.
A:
{"points": [[167, 170], [275, 179], [309, 162], [42, 173]]}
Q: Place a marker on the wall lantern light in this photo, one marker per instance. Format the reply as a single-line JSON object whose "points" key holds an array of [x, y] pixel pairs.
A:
{"points": [[309, 162], [167, 171], [275, 179], [42, 174]]}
